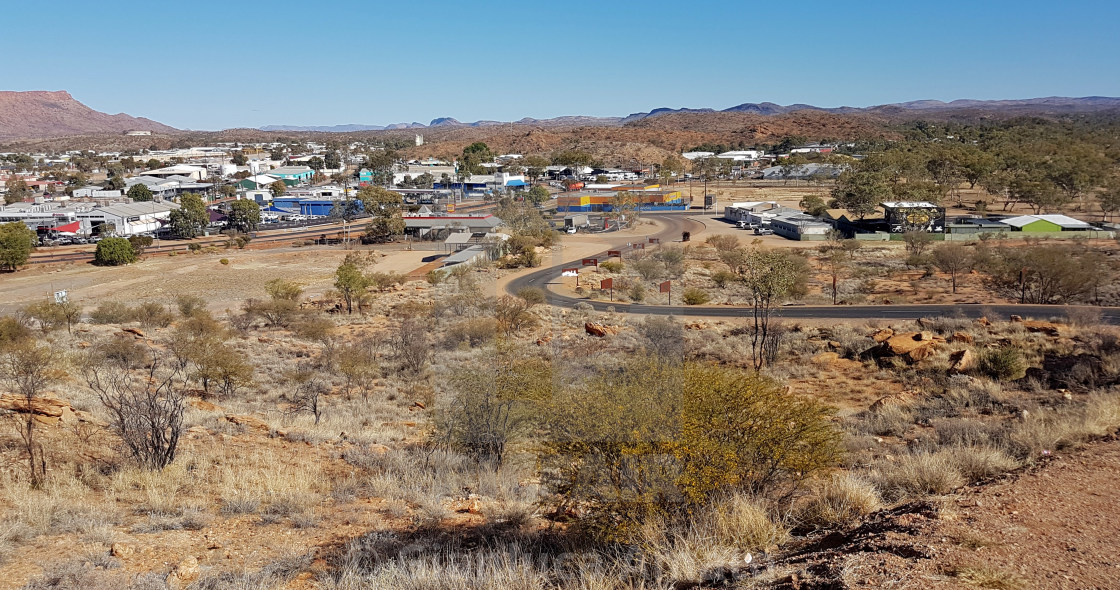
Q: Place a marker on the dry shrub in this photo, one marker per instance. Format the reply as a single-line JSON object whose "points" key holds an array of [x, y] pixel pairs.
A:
{"points": [[1102, 414], [473, 331], [840, 501], [890, 420], [111, 312], [979, 462], [917, 475], [986, 577]]}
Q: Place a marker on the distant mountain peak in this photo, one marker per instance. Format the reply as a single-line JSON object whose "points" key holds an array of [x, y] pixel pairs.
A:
{"points": [[42, 113]]}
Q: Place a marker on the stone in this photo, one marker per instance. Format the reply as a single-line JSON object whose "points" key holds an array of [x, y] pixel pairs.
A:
{"points": [[983, 321], [203, 405], [248, 422], [961, 361], [1048, 328], [599, 330], [964, 337], [47, 407], [419, 405], [1016, 318], [377, 449], [907, 342], [121, 550], [882, 335], [134, 331], [184, 573]]}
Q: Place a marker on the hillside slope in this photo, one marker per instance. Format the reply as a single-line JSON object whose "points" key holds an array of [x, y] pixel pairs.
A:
{"points": [[41, 114]]}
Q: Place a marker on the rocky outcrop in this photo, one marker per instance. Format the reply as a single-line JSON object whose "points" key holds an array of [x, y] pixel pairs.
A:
{"points": [[910, 346], [599, 330], [962, 361]]}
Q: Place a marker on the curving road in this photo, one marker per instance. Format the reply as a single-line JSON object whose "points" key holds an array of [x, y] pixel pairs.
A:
{"points": [[678, 223]]}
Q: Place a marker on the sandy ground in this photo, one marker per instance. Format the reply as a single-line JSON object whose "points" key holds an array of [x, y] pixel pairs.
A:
{"points": [[163, 277]]}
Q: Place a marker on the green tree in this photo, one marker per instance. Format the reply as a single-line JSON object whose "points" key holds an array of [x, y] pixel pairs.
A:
{"points": [[114, 252], [16, 244], [238, 158], [140, 193], [18, 191], [351, 280], [861, 191], [278, 188], [332, 161], [535, 167], [191, 217], [772, 277], [244, 216], [537, 195]]}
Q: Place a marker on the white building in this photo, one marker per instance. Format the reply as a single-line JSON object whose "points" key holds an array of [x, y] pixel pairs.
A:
{"points": [[127, 219]]}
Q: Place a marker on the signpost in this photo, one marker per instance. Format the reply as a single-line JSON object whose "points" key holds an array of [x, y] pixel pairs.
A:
{"points": [[591, 261], [655, 240], [607, 284], [667, 287], [571, 272], [614, 253]]}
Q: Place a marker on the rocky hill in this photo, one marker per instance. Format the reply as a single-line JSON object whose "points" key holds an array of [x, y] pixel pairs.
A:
{"points": [[40, 114]]}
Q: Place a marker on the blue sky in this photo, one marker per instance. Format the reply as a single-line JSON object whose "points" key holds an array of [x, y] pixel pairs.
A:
{"points": [[214, 65]]}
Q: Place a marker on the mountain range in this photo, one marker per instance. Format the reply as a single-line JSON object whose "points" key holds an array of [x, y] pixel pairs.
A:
{"points": [[1054, 105], [40, 114]]}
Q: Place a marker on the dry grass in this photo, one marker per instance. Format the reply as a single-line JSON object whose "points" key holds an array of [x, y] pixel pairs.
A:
{"points": [[979, 462], [842, 500], [917, 475], [987, 577]]}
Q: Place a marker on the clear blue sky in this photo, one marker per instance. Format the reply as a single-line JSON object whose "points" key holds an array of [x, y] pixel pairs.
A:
{"points": [[236, 63]]}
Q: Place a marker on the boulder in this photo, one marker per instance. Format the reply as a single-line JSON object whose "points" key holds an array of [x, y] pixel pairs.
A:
{"points": [[962, 361], [983, 321], [1016, 318], [882, 335], [599, 330], [377, 449], [48, 407], [964, 337], [134, 331], [907, 342], [1048, 328]]}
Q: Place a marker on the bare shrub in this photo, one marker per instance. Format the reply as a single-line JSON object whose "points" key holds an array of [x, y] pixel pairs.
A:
{"points": [[473, 331], [26, 370], [665, 336], [146, 406], [411, 343], [190, 305]]}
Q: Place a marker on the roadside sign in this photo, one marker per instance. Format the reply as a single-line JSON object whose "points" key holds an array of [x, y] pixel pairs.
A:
{"points": [[665, 286], [570, 272], [614, 253], [607, 284], [655, 240], [591, 261]]}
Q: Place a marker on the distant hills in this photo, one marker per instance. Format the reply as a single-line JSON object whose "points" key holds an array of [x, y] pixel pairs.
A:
{"points": [[1054, 105], [39, 114]]}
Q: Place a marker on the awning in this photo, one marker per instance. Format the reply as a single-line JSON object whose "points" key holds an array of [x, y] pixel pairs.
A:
{"points": [[69, 228], [516, 183]]}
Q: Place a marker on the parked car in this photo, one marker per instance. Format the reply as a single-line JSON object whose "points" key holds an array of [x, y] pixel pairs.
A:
{"points": [[763, 231]]}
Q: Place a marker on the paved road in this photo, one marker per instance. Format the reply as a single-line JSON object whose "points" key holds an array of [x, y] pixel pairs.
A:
{"points": [[682, 222]]}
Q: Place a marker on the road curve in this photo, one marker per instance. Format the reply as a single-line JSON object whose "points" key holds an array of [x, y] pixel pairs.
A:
{"points": [[677, 223]]}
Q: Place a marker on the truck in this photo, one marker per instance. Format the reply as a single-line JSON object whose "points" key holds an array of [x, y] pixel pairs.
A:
{"points": [[576, 220]]}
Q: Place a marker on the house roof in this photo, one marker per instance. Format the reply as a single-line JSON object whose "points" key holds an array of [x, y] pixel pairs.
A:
{"points": [[909, 205], [136, 209], [1060, 220], [290, 170]]}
